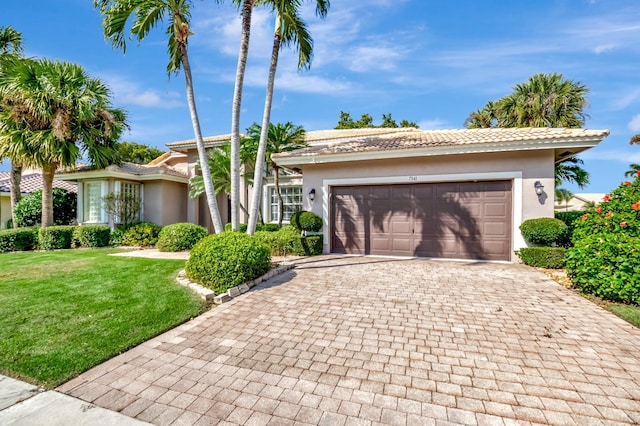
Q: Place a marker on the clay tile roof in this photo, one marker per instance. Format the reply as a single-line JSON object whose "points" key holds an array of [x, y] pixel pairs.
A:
{"points": [[413, 138], [209, 141], [134, 169], [33, 182]]}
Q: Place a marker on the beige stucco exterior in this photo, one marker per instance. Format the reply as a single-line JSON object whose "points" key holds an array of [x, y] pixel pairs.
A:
{"points": [[524, 168], [165, 202], [5, 209]]}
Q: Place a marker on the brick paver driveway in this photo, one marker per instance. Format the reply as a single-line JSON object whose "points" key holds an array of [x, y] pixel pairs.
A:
{"points": [[358, 340]]}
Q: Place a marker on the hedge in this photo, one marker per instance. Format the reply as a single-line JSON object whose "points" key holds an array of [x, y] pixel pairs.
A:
{"points": [[55, 237], [91, 236], [542, 257], [19, 239], [544, 231], [180, 236]]}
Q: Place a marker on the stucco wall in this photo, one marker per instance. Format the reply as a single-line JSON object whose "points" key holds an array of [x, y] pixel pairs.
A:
{"points": [[524, 168], [165, 202]]}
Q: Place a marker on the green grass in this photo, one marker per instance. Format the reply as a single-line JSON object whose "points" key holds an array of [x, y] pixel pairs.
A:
{"points": [[63, 312], [629, 313]]}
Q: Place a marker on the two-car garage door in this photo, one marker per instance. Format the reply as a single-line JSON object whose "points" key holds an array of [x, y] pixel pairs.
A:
{"points": [[460, 220]]}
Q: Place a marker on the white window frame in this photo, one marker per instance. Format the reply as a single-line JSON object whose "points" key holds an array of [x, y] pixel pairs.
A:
{"points": [[269, 206], [86, 199]]}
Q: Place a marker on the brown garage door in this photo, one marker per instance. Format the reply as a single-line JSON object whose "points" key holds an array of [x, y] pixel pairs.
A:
{"points": [[459, 220]]}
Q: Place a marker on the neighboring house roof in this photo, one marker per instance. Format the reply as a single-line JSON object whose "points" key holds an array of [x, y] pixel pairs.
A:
{"points": [[33, 182], [312, 137], [578, 201], [5, 175], [126, 171], [413, 142]]}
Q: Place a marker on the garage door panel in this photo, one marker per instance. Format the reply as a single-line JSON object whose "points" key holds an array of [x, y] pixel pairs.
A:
{"points": [[452, 219]]}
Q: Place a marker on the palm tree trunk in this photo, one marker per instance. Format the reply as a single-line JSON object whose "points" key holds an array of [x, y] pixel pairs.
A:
{"points": [[276, 183], [202, 153], [48, 173], [247, 8], [264, 132], [14, 183]]}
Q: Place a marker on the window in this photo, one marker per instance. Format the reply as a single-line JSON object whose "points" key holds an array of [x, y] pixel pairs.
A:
{"points": [[93, 202], [291, 202], [129, 203]]}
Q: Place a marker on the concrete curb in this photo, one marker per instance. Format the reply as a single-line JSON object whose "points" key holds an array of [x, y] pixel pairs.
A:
{"points": [[209, 296]]}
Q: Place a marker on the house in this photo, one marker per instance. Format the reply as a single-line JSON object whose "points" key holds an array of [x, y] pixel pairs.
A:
{"points": [[458, 194], [578, 202], [31, 182]]}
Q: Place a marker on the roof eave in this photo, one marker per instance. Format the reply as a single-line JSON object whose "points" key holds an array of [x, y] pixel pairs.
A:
{"points": [[103, 174], [582, 143]]}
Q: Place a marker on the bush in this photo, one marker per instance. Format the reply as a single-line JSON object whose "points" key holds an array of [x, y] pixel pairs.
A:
{"points": [[180, 236], [544, 231], [115, 239], [55, 237], [91, 236], [306, 221], [143, 234], [20, 239], [605, 257], [270, 227], [569, 219], [227, 260], [288, 238], [28, 210], [542, 257]]}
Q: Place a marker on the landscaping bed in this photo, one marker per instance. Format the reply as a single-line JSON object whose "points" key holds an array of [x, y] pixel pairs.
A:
{"points": [[66, 311]]}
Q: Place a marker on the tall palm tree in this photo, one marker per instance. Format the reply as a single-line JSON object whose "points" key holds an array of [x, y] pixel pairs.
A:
{"points": [[146, 15], [220, 166], [570, 170], [634, 169], [10, 46], [545, 100], [280, 138], [247, 9], [289, 29], [54, 113]]}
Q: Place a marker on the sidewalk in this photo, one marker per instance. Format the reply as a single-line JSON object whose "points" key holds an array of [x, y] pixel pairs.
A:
{"points": [[25, 404]]}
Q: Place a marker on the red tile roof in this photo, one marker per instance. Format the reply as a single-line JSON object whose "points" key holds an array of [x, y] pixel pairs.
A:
{"points": [[33, 182]]}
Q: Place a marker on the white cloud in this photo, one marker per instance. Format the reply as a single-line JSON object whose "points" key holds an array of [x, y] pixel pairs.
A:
{"points": [[634, 124], [602, 48], [433, 124], [611, 155]]}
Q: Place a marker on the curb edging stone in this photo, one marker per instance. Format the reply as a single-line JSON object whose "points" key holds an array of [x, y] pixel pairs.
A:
{"points": [[209, 296]]}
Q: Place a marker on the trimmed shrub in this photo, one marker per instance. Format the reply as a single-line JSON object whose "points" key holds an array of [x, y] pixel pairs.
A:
{"points": [[55, 237], [288, 238], [544, 231], [542, 257], [227, 260], [270, 227], [143, 234], [115, 239], [306, 221], [91, 236], [605, 257], [180, 236], [28, 211], [569, 219], [20, 239]]}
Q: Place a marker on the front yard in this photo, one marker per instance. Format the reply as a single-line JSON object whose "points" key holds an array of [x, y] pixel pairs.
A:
{"points": [[63, 312]]}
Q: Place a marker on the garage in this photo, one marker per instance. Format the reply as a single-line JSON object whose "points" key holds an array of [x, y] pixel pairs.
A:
{"points": [[457, 220]]}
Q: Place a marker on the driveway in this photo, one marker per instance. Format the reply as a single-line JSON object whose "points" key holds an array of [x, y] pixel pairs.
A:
{"points": [[363, 340]]}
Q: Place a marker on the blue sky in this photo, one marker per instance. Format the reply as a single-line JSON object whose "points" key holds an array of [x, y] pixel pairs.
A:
{"points": [[432, 62]]}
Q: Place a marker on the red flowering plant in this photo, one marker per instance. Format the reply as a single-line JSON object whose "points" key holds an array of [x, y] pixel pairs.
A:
{"points": [[605, 257]]}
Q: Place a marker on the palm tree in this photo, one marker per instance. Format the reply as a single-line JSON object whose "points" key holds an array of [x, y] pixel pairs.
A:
{"points": [[54, 113], [146, 15], [545, 100], [289, 29], [10, 46], [570, 170], [563, 196], [247, 9], [634, 169], [280, 138], [220, 166]]}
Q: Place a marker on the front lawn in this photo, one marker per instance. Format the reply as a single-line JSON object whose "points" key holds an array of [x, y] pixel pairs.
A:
{"points": [[63, 312]]}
